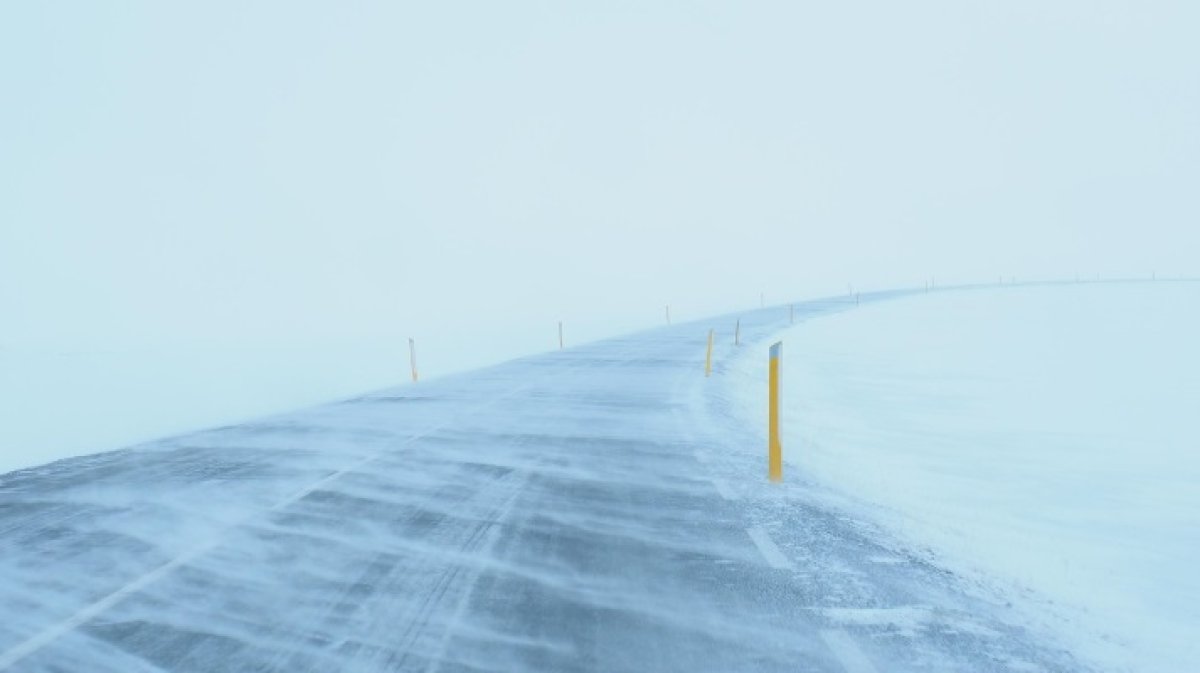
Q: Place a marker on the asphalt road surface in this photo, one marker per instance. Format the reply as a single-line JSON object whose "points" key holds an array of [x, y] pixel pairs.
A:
{"points": [[594, 509]]}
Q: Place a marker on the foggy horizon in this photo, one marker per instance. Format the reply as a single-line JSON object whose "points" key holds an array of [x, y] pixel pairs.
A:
{"points": [[234, 174]]}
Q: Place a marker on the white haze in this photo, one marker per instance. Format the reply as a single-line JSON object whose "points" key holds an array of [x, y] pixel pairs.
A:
{"points": [[309, 184]]}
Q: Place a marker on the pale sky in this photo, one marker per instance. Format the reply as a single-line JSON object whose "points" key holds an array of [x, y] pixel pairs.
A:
{"points": [[470, 173]]}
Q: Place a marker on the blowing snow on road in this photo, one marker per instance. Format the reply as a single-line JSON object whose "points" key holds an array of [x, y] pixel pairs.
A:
{"points": [[604, 508], [1037, 439], [402, 336]]}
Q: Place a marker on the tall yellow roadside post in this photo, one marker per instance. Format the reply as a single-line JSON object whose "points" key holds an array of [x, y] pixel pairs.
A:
{"points": [[774, 447], [412, 357], [708, 355]]}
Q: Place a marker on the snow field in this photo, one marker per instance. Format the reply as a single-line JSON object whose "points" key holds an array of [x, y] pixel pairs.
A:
{"points": [[1039, 439]]}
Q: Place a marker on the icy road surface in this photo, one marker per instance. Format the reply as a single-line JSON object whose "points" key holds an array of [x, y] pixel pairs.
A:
{"points": [[597, 509], [1041, 439]]}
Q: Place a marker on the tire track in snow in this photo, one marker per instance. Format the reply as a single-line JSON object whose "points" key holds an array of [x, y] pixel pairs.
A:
{"points": [[49, 634]]}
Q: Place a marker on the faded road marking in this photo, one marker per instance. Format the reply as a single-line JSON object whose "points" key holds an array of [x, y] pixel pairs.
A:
{"points": [[847, 651], [766, 547], [723, 489]]}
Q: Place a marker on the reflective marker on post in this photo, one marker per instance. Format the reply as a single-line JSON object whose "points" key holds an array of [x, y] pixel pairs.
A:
{"points": [[774, 447]]}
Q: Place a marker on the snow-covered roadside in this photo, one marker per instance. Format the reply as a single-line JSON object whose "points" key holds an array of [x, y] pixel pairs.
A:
{"points": [[1041, 439], [57, 404]]}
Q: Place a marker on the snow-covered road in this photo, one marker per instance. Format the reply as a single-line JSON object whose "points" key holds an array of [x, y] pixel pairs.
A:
{"points": [[601, 508], [1039, 438]]}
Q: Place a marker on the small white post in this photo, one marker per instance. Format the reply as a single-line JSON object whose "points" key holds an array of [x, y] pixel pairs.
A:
{"points": [[560, 338], [412, 357]]}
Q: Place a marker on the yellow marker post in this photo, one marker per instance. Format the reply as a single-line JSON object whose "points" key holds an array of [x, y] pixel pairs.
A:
{"points": [[737, 333], [412, 357], [774, 447], [708, 356]]}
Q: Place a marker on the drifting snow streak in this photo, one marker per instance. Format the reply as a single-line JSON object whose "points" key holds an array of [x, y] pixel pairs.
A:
{"points": [[1043, 438], [51, 633], [547, 514]]}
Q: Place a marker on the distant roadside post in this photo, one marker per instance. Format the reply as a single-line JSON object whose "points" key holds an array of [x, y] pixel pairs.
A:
{"points": [[774, 447], [737, 333], [708, 355], [560, 339], [412, 357]]}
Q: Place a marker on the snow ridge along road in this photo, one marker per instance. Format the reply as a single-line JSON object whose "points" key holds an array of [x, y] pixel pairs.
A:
{"points": [[594, 509]]}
